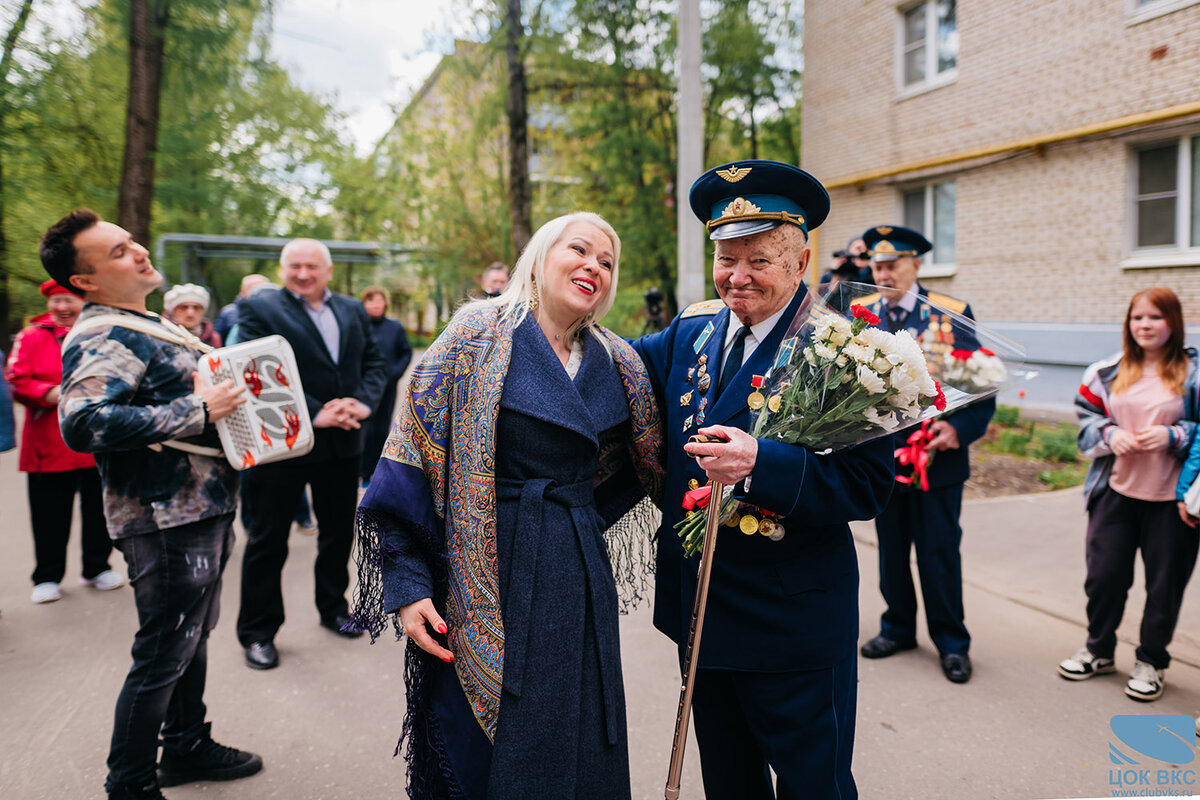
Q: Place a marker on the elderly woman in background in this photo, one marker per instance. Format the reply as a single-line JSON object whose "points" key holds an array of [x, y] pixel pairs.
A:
{"points": [[187, 303], [56, 473], [527, 433], [392, 342]]}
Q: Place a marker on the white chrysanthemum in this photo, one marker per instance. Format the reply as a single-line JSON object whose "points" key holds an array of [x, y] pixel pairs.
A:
{"points": [[861, 353], [824, 351], [839, 331], [885, 421], [870, 380], [810, 357], [842, 359]]}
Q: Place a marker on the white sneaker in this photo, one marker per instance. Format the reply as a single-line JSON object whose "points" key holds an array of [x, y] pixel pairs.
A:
{"points": [[1145, 682], [106, 581], [46, 592], [1084, 665]]}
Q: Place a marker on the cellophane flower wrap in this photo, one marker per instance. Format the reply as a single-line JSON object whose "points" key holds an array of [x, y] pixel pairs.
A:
{"points": [[840, 379]]}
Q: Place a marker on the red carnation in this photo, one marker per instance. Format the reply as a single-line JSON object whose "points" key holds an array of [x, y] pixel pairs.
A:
{"points": [[961, 355], [862, 312], [940, 402]]}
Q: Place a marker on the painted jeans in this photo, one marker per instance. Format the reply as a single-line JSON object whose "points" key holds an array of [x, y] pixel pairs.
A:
{"points": [[176, 579]]}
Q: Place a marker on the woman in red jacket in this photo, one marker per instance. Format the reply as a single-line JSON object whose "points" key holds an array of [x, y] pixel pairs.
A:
{"points": [[55, 472]]}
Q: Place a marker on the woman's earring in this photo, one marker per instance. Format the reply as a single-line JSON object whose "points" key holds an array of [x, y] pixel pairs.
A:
{"points": [[533, 298]]}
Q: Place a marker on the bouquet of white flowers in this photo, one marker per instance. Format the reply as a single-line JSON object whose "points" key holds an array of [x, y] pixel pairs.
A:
{"points": [[839, 380]]}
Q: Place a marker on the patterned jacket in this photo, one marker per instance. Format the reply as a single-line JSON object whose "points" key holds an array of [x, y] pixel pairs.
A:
{"points": [[1095, 419], [123, 391]]}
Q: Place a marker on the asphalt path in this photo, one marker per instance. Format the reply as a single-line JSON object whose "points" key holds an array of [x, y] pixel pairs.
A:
{"points": [[327, 719]]}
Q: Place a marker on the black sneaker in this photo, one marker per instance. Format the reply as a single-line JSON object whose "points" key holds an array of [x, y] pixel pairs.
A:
{"points": [[206, 761], [127, 791]]}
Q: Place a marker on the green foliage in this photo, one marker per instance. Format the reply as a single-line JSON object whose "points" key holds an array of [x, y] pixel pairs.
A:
{"points": [[1006, 415], [1064, 477], [241, 149], [1056, 445], [1014, 441]]}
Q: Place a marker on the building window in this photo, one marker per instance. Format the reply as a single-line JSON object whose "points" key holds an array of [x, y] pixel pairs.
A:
{"points": [[930, 210], [1142, 10], [928, 43], [1166, 198]]}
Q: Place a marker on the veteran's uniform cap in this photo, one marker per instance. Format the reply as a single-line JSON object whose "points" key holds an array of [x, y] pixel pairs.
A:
{"points": [[748, 197], [890, 242]]}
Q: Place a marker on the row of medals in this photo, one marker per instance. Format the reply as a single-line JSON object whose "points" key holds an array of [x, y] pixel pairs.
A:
{"points": [[748, 524]]}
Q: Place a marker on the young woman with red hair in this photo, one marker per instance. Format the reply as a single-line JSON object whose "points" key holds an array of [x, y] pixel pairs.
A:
{"points": [[1137, 414]]}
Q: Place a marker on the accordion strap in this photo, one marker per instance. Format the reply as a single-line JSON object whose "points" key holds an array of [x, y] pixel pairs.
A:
{"points": [[164, 329]]}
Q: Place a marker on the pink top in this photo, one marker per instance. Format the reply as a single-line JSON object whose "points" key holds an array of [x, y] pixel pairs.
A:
{"points": [[1150, 475]]}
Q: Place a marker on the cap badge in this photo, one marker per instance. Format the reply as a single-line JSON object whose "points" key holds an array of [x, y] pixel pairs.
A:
{"points": [[883, 246], [734, 173], [883, 230], [740, 207]]}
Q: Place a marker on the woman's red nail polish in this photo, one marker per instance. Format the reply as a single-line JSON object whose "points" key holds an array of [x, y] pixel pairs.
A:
{"points": [[441, 627]]}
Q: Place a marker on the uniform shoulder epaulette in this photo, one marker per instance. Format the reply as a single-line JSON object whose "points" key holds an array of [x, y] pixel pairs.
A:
{"points": [[703, 309], [866, 300], [947, 302]]}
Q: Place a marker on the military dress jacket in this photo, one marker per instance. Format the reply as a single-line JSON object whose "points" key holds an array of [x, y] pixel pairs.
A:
{"points": [[948, 467], [773, 606]]}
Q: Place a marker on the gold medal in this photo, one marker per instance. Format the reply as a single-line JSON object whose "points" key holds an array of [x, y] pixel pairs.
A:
{"points": [[693, 484], [774, 403], [749, 524], [734, 520], [766, 527], [756, 400]]}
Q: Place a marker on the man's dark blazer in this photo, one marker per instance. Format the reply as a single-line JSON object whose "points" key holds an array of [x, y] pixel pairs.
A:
{"points": [[360, 371], [772, 606]]}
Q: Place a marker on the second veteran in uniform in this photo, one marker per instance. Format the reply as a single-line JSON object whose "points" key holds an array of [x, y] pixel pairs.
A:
{"points": [[776, 685], [927, 520]]}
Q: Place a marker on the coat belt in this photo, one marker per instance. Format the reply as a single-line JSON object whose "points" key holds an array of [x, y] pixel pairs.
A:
{"points": [[532, 496]]}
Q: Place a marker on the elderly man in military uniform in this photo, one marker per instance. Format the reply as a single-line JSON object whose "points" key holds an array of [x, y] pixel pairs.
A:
{"points": [[776, 685], [927, 520]]}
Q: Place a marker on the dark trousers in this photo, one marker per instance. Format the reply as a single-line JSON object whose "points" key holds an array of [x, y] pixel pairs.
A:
{"points": [[800, 724], [270, 494], [51, 504], [176, 579], [929, 522], [1117, 527]]}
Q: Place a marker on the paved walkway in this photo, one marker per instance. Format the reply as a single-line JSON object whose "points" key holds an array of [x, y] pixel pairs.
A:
{"points": [[326, 721]]}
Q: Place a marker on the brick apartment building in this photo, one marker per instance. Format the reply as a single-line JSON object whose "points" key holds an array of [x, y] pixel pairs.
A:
{"points": [[1050, 149]]}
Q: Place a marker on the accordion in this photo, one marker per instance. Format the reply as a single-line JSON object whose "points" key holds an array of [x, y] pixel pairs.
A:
{"points": [[273, 424]]}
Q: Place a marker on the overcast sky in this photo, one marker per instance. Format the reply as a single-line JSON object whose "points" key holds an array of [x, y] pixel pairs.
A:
{"points": [[370, 54]]}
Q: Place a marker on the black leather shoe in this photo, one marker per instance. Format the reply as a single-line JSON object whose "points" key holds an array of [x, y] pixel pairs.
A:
{"points": [[262, 655], [882, 647], [336, 624], [957, 667]]}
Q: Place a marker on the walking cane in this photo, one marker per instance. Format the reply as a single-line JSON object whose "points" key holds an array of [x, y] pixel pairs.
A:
{"points": [[689, 662]]}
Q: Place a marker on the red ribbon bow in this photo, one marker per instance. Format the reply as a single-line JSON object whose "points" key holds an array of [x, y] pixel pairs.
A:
{"points": [[697, 498], [916, 455]]}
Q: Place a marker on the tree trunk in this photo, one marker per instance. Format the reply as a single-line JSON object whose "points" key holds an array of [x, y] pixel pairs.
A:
{"points": [[518, 138], [147, 31], [10, 44]]}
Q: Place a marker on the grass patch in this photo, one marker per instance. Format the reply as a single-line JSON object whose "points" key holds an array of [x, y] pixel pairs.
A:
{"points": [[1063, 477], [1056, 445], [1006, 416]]}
